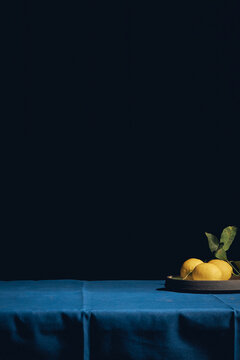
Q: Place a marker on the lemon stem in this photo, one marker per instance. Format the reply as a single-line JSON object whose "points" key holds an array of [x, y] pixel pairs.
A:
{"points": [[187, 275], [234, 268]]}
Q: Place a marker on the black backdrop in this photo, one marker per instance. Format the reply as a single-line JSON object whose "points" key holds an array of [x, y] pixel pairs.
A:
{"points": [[130, 148]]}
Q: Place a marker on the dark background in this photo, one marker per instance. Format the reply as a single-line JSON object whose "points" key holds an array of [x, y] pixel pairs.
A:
{"points": [[130, 149]]}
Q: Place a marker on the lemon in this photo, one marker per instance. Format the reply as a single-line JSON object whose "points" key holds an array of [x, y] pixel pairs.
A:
{"points": [[207, 271], [225, 268], [188, 266]]}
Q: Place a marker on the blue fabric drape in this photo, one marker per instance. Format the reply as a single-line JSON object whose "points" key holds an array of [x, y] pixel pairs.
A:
{"points": [[126, 319]]}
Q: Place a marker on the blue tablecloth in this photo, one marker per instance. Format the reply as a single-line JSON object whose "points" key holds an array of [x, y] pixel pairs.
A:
{"points": [[71, 319]]}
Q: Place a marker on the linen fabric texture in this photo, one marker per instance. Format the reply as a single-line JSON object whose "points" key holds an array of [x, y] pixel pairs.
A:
{"points": [[120, 319]]}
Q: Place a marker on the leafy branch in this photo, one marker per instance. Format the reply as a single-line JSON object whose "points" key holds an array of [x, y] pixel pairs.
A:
{"points": [[220, 247]]}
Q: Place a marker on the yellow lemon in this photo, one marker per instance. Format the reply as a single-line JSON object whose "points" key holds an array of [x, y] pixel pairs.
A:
{"points": [[188, 266], [206, 271], [225, 268]]}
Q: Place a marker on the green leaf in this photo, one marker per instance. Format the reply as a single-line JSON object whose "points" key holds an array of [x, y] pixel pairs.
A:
{"points": [[213, 242], [228, 236], [221, 254]]}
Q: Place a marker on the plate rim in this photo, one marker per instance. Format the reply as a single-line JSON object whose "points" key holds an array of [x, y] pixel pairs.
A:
{"points": [[175, 283], [178, 278]]}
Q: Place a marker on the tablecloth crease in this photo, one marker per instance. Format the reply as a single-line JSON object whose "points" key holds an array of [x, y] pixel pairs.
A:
{"points": [[86, 326], [235, 322]]}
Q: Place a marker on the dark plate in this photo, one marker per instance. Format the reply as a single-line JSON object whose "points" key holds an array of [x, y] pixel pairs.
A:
{"points": [[175, 283]]}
